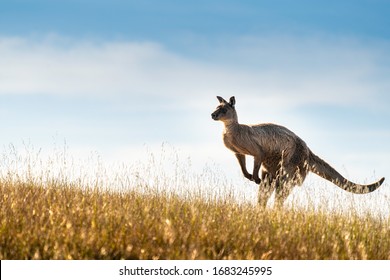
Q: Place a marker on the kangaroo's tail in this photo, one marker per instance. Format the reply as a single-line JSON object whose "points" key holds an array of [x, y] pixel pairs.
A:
{"points": [[323, 169]]}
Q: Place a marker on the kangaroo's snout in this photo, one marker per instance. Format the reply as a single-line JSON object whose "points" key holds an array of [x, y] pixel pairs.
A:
{"points": [[216, 115], [222, 111]]}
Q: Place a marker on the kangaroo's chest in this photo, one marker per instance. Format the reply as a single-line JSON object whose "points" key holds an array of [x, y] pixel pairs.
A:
{"points": [[238, 144]]}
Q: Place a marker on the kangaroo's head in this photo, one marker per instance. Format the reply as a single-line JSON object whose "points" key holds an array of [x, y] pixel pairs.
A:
{"points": [[225, 111]]}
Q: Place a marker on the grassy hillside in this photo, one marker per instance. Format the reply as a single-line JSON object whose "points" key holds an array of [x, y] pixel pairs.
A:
{"points": [[64, 221]]}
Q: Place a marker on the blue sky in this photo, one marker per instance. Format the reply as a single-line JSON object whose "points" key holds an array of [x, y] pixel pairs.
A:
{"points": [[115, 76]]}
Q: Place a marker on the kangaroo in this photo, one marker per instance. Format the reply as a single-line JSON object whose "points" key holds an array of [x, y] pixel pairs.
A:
{"points": [[283, 157]]}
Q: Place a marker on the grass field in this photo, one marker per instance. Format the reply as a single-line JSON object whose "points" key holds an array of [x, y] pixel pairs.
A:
{"points": [[43, 218]]}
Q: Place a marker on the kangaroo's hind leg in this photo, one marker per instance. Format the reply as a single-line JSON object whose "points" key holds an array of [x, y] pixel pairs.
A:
{"points": [[288, 177], [281, 194], [266, 188]]}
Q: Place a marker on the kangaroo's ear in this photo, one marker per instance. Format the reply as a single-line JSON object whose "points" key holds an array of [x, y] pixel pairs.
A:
{"points": [[232, 101], [221, 100]]}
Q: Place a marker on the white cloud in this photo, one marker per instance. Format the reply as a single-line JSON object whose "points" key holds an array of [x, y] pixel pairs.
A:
{"points": [[81, 68], [283, 71]]}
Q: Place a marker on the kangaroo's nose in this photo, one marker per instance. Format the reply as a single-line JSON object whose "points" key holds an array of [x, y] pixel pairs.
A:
{"points": [[214, 116]]}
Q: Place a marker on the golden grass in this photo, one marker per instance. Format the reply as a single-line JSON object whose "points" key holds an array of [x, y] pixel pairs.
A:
{"points": [[52, 209], [57, 221]]}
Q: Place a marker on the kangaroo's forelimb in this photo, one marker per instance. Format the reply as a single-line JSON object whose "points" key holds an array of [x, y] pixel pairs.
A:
{"points": [[242, 162], [256, 168]]}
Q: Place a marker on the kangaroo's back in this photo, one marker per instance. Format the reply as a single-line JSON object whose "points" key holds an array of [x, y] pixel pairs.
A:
{"points": [[274, 137]]}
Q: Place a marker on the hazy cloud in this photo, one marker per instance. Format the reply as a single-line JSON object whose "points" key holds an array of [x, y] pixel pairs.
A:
{"points": [[286, 71]]}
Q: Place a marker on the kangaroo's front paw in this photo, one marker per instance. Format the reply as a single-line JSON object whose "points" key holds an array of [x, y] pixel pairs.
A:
{"points": [[253, 179], [249, 177]]}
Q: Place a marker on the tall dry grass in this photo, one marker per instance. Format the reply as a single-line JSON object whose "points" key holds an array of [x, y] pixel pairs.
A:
{"points": [[45, 214]]}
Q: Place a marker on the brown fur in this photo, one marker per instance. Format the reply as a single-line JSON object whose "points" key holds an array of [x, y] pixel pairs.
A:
{"points": [[283, 157]]}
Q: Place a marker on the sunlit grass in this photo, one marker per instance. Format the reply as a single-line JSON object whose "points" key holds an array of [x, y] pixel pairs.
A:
{"points": [[140, 214]]}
